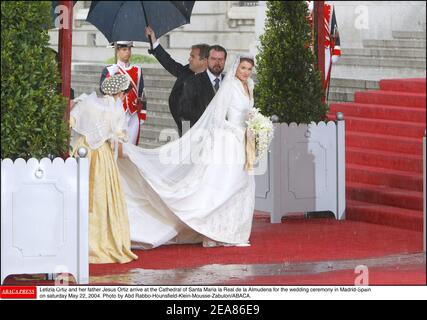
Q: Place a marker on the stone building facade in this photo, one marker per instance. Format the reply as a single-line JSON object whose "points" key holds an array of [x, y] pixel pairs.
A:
{"points": [[379, 39]]}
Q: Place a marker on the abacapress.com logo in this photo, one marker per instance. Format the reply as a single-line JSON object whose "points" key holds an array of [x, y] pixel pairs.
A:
{"points": [[18, 292]]}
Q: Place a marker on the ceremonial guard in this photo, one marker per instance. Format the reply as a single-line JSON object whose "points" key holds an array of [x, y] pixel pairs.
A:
{"points": [[134, 102]]}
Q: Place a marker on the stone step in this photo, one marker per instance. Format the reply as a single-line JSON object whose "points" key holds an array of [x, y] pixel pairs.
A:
{"points": [[88, 85], [159, 77], [386, 215], [152, 134], [408, 34], [157, 107], [83, 88], [159, 114], [340, 97], [385, 53], [85, 77], [151, 70], [155, 70], [397, 44], [382, 62], [158, 93], [148, 143], [417, 85], [155, 100], [354, 83], [154, 95], [392, 98], [158, 83], [161, 120], [149, 125], [343, 90], [87, 68], [91, 83], [149, 80], [160, 135], [153, 105], [375, 73], [147, 69]]}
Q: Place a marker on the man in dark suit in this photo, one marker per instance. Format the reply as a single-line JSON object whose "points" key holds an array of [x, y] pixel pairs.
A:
{"points": [[197, 63], [201, 88]]}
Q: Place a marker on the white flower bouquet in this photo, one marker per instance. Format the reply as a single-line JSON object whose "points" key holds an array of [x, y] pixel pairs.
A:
{"points": [[260, 130]]}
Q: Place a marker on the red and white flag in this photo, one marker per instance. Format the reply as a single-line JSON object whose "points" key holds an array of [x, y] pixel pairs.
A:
{"points": [[332, 37]]}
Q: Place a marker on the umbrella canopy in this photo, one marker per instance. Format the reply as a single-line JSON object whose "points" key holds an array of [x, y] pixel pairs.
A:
{"points": [[126, 20]]}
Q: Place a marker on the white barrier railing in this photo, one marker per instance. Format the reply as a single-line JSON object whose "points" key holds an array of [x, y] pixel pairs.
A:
{"points": [[44, 217], [305, 171]]}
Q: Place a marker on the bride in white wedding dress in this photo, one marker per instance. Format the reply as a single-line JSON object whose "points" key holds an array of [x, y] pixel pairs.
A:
{"points": [[195, 189]]}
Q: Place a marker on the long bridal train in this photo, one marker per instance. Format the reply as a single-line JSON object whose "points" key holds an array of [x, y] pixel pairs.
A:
{"points": [[194, 188]]}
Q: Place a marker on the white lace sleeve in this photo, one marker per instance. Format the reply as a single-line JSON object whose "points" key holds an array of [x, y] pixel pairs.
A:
{"points": [[97, 120], [226, 98]]}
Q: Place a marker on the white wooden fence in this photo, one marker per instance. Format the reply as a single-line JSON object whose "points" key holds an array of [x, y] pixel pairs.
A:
{"points": [[44, 217], [305, 170]]}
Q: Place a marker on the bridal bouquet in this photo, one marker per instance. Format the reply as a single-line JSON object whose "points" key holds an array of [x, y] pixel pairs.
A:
{"points": [[259, 135]]}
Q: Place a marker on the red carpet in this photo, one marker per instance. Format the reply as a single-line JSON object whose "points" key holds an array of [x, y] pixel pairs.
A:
{"points": [[292, 241], [384, 131], [409, 275], [297, 240]]}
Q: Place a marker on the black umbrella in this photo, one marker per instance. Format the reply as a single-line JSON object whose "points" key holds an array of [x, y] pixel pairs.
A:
{"points": [[126, 20]]}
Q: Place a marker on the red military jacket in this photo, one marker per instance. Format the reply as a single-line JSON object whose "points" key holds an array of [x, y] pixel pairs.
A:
{"points": [[131, 102]]}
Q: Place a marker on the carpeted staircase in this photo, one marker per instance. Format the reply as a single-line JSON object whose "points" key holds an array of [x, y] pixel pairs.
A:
{"points": [[384, 164]]}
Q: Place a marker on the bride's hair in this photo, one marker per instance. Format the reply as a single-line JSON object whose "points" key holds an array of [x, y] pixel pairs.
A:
{"points": [[250, 60]]}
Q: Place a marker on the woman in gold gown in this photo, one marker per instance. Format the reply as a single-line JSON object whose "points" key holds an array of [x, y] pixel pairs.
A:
{"points": [[98, 124]]}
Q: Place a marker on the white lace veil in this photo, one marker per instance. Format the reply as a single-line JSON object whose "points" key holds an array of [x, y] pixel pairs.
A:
{"points": [[98, 119], [174, 165]]}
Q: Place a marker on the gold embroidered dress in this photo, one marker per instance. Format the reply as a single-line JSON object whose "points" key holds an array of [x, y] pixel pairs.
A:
{"points": [[99, 124]]}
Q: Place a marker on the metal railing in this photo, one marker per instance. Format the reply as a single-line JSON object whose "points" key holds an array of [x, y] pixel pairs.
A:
{"points": [[247, 3], [243, 3]]}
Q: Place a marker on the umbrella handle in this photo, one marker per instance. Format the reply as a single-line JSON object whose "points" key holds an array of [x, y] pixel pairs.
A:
{"points": [[151, 50]]}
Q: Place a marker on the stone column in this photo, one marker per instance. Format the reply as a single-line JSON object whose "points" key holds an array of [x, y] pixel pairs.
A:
{"points": [[259, 26]]}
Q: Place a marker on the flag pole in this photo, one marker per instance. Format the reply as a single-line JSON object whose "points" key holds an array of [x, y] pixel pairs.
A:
{"points": [[328, 75], [64, 55], [328, 80], [319, 25]]}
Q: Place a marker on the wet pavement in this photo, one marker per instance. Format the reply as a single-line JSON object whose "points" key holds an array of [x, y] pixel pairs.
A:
{"points": [[215, 274]]}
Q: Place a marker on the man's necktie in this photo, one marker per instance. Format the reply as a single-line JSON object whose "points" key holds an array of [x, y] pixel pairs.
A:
{"points": [[216, 86]]}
